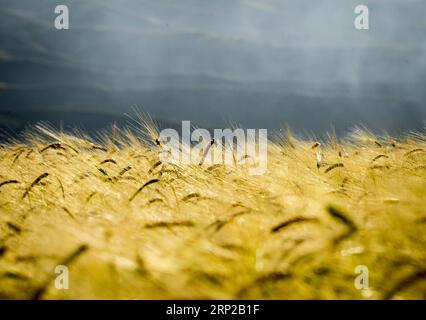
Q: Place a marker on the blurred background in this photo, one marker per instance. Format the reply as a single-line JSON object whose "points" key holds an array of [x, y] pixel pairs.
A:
{"points": [[254, 63]]}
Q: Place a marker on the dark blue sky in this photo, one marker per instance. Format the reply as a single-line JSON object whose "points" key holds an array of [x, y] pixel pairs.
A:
{"points": [[260, 63]]}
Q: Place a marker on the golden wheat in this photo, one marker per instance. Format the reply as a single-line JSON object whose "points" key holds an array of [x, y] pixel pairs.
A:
{"points": [[129, 226]]}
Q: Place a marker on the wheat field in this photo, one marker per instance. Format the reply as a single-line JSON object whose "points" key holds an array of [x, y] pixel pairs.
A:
{"points": [[130, 227]]}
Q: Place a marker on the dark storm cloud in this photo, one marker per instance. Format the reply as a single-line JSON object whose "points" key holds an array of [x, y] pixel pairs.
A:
{"points": [[259, 62]]}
